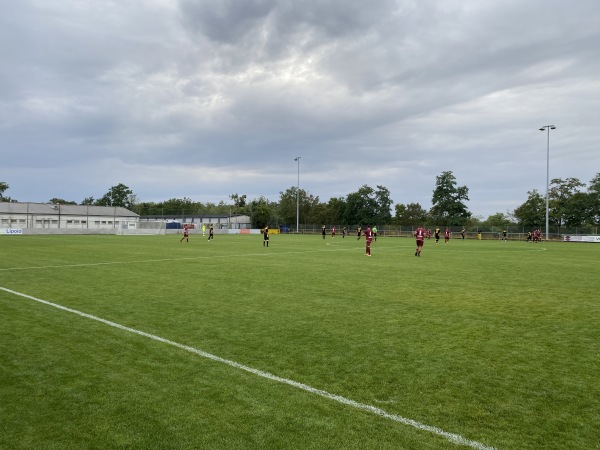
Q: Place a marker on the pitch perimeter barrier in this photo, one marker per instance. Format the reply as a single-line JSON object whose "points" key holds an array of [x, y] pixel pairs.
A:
{"points": [[570, 238]]}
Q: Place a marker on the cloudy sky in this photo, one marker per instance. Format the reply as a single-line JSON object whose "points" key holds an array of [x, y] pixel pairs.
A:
{"points": [[203, 99]]}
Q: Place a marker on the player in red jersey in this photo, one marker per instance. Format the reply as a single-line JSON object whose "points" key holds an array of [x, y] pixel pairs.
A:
{"points": [[368, 234], [420, 237], [332, 231], [446, 235], [185, 234]]}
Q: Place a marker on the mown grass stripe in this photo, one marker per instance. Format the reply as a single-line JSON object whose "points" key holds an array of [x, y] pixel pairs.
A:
{"points": [[452, 437]]}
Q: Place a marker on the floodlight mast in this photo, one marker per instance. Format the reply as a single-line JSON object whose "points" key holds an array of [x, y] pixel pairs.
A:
{"points": [[548, 128], [298, 197]]}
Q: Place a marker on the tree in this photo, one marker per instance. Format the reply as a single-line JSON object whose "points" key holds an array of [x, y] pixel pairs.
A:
{"points": [[360, 206], [473, 222], [335, 210], [260, 213], [119, 195], [239, 201], [579, 210], [319, 214], [287, 204], [306, 203], [3, 187], [560, 196], [311, 209], [177, 206], [87, 201], [384, 205], [411, 214], [399, 210], [368, 206], [60, 201], [532, 213], [594, 199], [448, 201], [497, 220]]}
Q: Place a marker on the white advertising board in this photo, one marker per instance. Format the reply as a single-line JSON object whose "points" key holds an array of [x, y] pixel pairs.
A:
{"points": [[11, 231], [569, 238]]}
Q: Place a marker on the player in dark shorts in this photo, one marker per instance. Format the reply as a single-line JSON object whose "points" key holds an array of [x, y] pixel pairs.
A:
{"points": [[344, 232], [323, 231], [266, 236], [437, 235], [358, 233], [211, 233], [420, 237]]}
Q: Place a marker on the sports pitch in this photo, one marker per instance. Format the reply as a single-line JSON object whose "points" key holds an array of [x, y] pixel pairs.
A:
{"points": [[148, 342]]}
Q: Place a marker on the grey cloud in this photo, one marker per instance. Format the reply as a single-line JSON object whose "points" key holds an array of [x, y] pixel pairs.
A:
{"points": [[391, 93]]}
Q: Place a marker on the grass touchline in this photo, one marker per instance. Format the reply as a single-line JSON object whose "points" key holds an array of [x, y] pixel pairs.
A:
{"points": [[452, 437]]}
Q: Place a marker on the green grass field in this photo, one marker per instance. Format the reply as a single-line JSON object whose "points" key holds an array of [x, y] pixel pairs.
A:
{"points": [[485, 344]]}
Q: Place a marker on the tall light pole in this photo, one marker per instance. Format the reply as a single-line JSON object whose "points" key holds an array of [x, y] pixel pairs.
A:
{"points": [[298, 197], [547, 127], [56, 207]]}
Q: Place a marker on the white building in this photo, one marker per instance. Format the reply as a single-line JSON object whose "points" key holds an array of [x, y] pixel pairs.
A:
{"points": [[219, 221], [39, 216], [47, 218]]}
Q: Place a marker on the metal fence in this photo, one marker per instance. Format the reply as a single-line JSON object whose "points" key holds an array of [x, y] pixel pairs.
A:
{"points": [[513, 232]]}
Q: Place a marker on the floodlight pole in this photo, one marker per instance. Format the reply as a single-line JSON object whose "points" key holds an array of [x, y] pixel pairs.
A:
{"points": [[548, 128], [56, 207], [298, 197]]}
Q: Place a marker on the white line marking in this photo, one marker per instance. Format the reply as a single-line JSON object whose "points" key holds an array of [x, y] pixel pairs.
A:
{"points": [[452, 437]]}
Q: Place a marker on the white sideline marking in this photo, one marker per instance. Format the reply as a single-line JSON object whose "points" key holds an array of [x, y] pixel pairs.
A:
{"points": [[452, 437]]}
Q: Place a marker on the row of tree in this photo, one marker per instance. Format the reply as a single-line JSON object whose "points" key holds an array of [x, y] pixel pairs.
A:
{"points": [[569, 205]]}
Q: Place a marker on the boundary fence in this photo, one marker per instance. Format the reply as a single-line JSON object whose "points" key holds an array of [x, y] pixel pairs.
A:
{"points": [[513, 233]]}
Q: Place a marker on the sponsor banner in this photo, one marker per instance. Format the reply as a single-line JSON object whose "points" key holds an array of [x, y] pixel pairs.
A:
{"points": [[245, 231], [11, 231], [570, 238]]}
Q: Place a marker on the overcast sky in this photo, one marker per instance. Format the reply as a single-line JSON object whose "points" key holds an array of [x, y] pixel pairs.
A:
{"points": [[203, 99]]}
